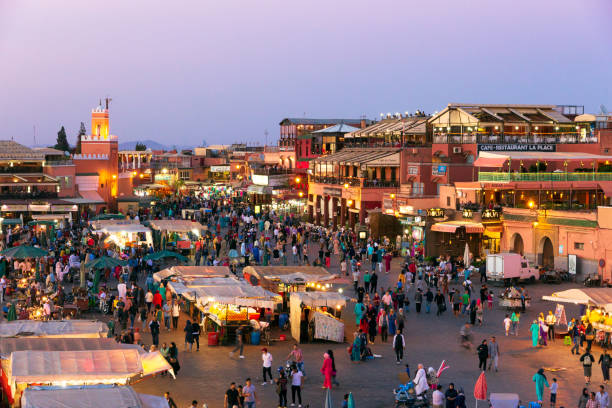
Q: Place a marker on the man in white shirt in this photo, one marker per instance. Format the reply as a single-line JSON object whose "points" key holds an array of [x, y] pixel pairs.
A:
{"points": [[122, 289], [438, 397], [266, 359], [602, 397]]}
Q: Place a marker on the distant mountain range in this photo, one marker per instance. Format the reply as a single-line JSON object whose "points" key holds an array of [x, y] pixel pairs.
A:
{"points": [[151, 144]]}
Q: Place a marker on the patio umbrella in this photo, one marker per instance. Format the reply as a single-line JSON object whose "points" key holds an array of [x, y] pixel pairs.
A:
{"points": [[24, 251], [12, 313], [165, 254], [480, 389], [466, 256], [328, 399], [351, 401], [104, 262]]}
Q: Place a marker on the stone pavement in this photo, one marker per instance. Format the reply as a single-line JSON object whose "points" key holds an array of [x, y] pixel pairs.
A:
{"points": [[205, 375]]}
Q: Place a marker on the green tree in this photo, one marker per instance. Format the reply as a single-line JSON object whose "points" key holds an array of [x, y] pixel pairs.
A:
{"points": [[82, 132], [62, 141], [140, 147]]}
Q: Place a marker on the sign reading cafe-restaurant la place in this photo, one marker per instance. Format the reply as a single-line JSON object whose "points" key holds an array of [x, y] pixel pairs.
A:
{"points": [[517, 147]]}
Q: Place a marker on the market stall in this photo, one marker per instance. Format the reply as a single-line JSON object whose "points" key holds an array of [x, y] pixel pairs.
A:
{"points": [[187, 273], [281, 279], [123, 233], [66, 368], [99, 396], [513, 298], [596, 310], [53, 328], [12, 344], [179, 234], [316, 315]]}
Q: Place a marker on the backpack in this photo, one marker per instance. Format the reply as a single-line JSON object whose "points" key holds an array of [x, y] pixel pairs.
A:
{"points": [[587, 360]]}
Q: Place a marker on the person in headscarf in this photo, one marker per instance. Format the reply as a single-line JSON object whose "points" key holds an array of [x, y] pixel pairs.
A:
{"points": [[356, 349], [535, 333], [188, 335], [327, 371], [540, 382], [359, 310]]}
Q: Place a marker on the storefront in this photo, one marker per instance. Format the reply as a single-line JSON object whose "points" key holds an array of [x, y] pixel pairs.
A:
{"points": [[316, 316], [450, 237], [220, 173]]}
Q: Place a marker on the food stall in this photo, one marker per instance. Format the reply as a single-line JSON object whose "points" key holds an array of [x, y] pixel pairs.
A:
{"points": [[282, 279], [97, 396], [179, 234], [597, 308], [316, 315], [69, 368], [511, 298], [123, 233]]}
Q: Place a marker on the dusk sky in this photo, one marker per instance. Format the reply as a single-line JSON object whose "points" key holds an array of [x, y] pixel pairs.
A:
{"points": [[225, 71]]}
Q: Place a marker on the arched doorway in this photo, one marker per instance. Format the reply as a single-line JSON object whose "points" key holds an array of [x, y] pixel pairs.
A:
{"points": [[518, 247], [547, 255]]}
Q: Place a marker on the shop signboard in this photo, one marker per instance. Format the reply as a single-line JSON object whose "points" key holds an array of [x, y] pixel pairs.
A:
{"points": [[517, 147], [220, 169], [64, 207], [333, 192], [439, 170], [435, 212], [490, 214], [259, 179], [14, 207]]}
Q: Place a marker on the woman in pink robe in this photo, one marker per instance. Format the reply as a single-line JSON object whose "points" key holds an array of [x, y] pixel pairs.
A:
{"points": [[327, 371]]}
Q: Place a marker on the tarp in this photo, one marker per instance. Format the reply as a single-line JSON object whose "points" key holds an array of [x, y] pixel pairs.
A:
{"points": [[452, 226], [189, 272], [290, 274], [177, 225], [11, 344], [153, 363], [318, 299], [504, 400], [53, 328], [239, 294], [89, 397], [600, 297], [74, 367]]}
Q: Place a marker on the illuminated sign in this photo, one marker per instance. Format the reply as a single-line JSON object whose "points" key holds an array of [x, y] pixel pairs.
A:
{"points": [[526, 147], [220, 169], [406, 209], [467, 213], [489, 214], [435, 212], [260, 180]]}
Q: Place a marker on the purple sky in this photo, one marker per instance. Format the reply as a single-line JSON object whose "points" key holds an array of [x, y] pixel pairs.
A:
{"points": [[227, 70]]}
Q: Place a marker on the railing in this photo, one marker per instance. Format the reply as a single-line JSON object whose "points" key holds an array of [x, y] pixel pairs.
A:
{"points": [[473, 138], [271, 172], [58, 163], [506, 177], [30, 196], [20, 170], [356, 182]]}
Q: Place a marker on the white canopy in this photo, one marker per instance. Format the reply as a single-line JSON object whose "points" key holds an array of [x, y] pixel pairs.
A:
{"points": [[74, 367], [11, 344], [504, 400], [185, 272], [290, 274], [53, 328], [128, 228], [89, 397], [177, 225], [600, 297], [318, 299], [239, 294]]}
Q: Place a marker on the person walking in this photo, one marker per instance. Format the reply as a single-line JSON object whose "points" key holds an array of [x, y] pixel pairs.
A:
{"points": [[550, 322], [602, 397], [266, 359], [584, 398], [540, 382], [398, 345], [297, 357], [176, 312], [154, 329], [483, 353], [327, 371], [515, 319], [383, 325], [418, 300], [535, 333], [437, 397], [188, 335], [239, 343], [296, 386], [440, 303], [574, 332], [493, 353], [592, 402], [451, 395], [587, 360], [195, 331], [281, 389], [429, 296], [232, 397], [373, 282], [554, 387], [250, 396], [604, 361]]}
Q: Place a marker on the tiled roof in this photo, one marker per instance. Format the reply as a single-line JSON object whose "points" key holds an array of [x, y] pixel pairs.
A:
{"points": [[10, 149]]}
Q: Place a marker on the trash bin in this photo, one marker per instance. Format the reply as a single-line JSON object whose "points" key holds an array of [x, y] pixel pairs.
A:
{"points": [[255, 336], [213, 338]]}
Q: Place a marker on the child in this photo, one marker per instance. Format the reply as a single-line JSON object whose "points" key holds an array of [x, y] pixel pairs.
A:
{"points": [[553, 393], [507, 324], [490, 300], [345, 401]]}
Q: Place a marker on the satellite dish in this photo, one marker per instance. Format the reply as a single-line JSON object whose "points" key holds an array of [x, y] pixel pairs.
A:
{"points": [[603, 109]]}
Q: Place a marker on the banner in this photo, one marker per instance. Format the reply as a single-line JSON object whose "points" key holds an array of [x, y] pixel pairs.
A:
{"points": [[517, 147]]}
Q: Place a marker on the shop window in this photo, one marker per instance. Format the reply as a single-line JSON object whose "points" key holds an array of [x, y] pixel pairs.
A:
{"points": [[579, 246]]}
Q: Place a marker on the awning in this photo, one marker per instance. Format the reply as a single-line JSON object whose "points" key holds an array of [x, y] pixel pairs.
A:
{"points": [[87, 197], [452, 226], [177, 225], [95, 396], [490, 160], [256, 189], [606, 187], [494, 228], [600, 297]]}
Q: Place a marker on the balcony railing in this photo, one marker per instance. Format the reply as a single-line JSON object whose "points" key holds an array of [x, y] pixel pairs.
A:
{"points": [[58, 162], [356, 182], [27, 196], [20, 170], [271, 172], [474, 138], [556, 176]]}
